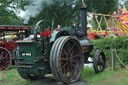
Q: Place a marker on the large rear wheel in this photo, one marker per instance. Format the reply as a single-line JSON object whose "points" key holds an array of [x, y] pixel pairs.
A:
{"points": [[66, 59], [5, 59]]}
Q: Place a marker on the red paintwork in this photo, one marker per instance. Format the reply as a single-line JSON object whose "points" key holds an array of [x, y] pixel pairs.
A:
{"points": [[91, 36], [1, 43], [14, 28], [94, 35], [10, 45]]}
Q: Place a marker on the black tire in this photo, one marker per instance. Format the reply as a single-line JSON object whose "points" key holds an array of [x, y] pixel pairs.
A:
{"points": [[66, 59], [24, 76], [99, 61], [33, 77], [29, 77]]}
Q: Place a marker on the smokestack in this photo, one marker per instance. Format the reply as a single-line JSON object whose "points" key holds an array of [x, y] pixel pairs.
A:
{"points": [[25, 24], [83, 18]]}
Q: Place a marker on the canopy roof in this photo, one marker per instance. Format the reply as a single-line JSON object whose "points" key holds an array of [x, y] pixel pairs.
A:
{"points": [[14, 27]]}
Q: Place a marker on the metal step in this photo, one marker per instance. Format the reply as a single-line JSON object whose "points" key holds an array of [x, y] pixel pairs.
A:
{"points": [[18, 59], [20, 66], [25, 63]]}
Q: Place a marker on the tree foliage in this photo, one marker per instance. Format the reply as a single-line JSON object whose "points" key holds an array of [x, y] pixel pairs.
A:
{"points": [[62, 12], [126, 4], [102, 6], [7, 14]]}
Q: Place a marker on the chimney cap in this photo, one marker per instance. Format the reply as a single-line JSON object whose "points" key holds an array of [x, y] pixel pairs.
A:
{"points": [[83, 8]]}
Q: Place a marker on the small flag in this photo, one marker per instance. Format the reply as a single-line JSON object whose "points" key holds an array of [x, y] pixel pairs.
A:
{"points": [[119, 9], [84, 3]]}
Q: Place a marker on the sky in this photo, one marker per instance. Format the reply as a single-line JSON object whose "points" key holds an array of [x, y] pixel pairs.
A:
{"points": [[22, 13], [122, 1]]}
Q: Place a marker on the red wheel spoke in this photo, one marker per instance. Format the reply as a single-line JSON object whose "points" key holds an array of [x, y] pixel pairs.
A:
{"points": [[72, 53], [64, 71], [76, 56], [5, 59], [73, 46], [64, 65], [68, 68], [74, 66], [65, 52], [71, 50], [64, 59], [6, 55], [74, 61], [71, 71], [4, 62], [2, 54]]}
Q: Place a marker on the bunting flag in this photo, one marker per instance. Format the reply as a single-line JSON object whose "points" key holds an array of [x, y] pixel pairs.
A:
{"points": [[84, 3], [119, 9]]}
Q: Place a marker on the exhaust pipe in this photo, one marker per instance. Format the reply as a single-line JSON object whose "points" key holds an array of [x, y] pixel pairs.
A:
{"points": [[83, 18]]}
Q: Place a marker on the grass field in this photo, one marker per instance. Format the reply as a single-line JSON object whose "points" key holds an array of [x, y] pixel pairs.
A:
{"points": [[108, 77], [118, 77]]}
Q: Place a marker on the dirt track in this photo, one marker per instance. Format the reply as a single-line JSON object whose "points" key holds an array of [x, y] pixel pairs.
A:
{"points": [[52, 81]]}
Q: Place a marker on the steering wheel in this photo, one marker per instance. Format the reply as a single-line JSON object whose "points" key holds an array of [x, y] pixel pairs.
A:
{"points": [[37, 27], [44, 39]]}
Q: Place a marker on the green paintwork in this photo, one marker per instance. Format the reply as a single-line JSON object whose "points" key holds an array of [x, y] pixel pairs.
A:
{"points": [[36, 63], [68, 28]]}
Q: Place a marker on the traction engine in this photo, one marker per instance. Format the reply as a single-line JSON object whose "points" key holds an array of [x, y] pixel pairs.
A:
{"points": [[59, 52], [8, 35]]}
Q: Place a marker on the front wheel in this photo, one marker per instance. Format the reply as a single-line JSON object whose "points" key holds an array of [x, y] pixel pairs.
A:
{"points": [[99, 61]]}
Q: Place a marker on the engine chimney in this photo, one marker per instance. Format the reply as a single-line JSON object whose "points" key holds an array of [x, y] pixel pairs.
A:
{"points": [[83, 18]]}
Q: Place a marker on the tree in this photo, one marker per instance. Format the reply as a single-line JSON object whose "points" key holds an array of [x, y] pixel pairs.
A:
{"points": [[102, 6], [7, 14], [126, 4], [61, 12]]}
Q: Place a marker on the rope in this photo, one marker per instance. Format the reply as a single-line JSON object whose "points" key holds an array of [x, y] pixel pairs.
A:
{"points": [[120, 59]]}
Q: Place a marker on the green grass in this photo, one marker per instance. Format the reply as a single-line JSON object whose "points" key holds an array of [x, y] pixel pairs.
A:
{"points": [[108, 77], [11, 77]]}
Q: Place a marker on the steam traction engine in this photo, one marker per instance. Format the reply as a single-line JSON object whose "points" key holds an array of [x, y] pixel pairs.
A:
{"points": [[61, 53], [8, 35]]}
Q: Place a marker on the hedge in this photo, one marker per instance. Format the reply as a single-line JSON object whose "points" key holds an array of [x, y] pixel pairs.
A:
{"points": [[118, 43]]}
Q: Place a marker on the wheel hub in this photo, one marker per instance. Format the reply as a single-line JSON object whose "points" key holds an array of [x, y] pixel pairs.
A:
{"points": [[70, 59]]}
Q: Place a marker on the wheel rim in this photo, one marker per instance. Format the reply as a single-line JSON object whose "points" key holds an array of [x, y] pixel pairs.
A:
{"points": [[68, 60], [99, 62], [5, 59]]}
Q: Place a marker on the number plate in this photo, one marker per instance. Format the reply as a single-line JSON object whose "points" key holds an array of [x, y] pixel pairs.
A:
{"points": [[26, 54]]}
